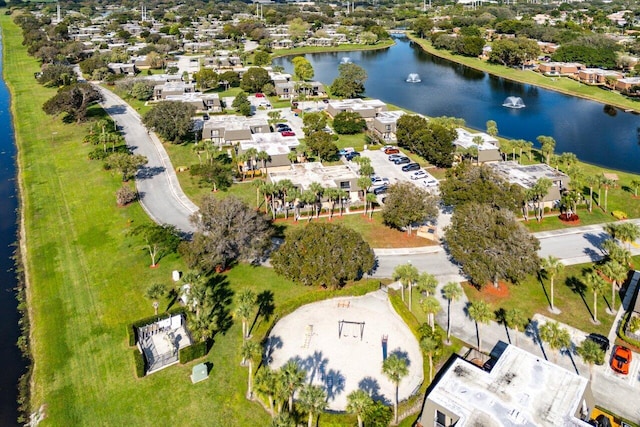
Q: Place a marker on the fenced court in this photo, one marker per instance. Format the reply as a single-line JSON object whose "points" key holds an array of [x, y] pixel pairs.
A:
{"points": [[341, 344]]}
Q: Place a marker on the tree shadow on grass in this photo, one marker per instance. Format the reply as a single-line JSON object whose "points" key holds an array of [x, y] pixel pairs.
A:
{"points": [[543, 275], [264, 300], [222, 295], [578, 287]]}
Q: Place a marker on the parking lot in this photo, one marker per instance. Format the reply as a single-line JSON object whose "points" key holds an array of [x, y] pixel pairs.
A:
{"points": [[387, 169]]}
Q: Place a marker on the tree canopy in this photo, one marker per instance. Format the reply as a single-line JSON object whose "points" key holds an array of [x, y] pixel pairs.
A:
{"points": [[227, 230], [491, 244], [350, 81], [254, 79], [431, 139], [480, 184], [171, 120], [302, 68], [323, 254], [73, 100], [406, 204], [348, 123]]}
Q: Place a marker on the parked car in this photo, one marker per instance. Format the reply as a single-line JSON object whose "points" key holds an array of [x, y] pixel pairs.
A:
{"points": [[377, 181], [410, 167], [393, 157], [621, 359], [380, 190], [259, 95], [351, 155], [287, 133], [345, 151], [601, 340], [391, 150], [282, 126], [430, 183], [418, 175], [402, 160]]}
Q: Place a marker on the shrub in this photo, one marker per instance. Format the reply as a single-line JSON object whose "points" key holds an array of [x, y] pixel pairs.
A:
{"points": [[194, 351], [125, 195], [634, 324], [139, 362], [98, 154], [619, 214]]}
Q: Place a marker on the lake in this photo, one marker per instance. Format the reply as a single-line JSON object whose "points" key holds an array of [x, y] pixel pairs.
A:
{"points": [[596, 133]]}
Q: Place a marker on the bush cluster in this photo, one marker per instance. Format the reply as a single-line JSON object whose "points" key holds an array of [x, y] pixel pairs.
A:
{"points": [[193, 352]]}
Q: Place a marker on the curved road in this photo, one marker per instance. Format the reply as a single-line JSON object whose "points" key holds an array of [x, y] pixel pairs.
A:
{"points": [[160, 193]]}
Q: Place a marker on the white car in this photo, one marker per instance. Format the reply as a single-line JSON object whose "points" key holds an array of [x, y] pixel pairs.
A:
{"points": [[377, 181], [430, 183], [419, 174]]}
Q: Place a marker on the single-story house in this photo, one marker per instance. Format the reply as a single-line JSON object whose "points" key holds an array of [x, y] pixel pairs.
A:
{"points": [[274, 144], [202, 101], [597, 76], [528, 175], [172, 88], [625, 85], [121, 68]]}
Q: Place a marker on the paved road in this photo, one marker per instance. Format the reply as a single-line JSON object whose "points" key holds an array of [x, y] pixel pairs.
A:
{"points": [[160, 193]]}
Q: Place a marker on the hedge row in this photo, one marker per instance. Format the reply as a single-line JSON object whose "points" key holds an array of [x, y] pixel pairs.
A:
{"points": [[139, 363], [622, 328], [132, 327], [192, 352]]}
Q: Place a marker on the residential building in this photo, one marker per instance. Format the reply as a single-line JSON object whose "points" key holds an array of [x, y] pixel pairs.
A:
{"points": [[488, 147], [121, 68], [366, 108], [385, 124], [597, 76], [304, 174], [162, 91], [626, 84], [229, 130], [204, 102], [274, 144], [560, 68], [528, 175], [520, 389]]}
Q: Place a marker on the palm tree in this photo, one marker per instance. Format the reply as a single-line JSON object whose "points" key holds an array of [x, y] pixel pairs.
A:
{"points": [[292, 378], [635, 183], [308, 197], [407, 274], [312, 399], [251, 351], [265, 384], [553, 266], [430, 306], [628, 232], [241, 161], [342, 196], [264, 157], [259, 184], [317, 190], [480, 312], [252, 153], [556, 336], [430, 346], [292, 156], [597, 284], [515, 318], [332, 195], [548, 144], [591, 353], [452, 292], [427, 283], [395, 368], [606, 183], [246, 303], [370, 199], [358, 403], [492, 128], [540, 190], [617, 273], [155, 292], [591, 181], [287, 188], [616, 252]]}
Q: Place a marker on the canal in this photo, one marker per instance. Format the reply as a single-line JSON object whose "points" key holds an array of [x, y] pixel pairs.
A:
{"points": [[596, 133], [11, 361]]}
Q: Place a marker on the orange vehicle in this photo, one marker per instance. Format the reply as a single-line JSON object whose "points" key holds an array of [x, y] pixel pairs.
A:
{"points": [[391, 150], [621, 360]]}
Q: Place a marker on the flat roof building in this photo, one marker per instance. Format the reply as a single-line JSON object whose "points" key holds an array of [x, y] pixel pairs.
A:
{"points": [[304, 174], [521, 389], [528, 175], [488, 148]]}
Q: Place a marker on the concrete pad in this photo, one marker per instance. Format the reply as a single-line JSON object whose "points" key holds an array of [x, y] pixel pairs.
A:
{"points": [[346, 363]]}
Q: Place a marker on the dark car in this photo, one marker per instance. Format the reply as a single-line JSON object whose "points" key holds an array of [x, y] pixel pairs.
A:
{"points": [[380, 190], [402, 160], [601, 340], [603, 421], [410, 167], [351, 155]]}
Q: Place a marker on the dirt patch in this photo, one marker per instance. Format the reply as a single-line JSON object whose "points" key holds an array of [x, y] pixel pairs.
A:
{"points": [[490, 293]]}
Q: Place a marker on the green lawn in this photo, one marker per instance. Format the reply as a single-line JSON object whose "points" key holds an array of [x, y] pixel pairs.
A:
{"points": [[570, 296]]}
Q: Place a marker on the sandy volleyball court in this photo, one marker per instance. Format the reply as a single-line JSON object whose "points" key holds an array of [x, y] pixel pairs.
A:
{"points": [[345, 356]]}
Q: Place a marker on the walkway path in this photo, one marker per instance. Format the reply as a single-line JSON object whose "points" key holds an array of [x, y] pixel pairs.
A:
{"points": [[160, 193]]}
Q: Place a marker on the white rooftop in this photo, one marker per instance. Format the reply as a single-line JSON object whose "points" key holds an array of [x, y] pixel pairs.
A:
{"points": [[230, 122], [522, 389], [389, 116], [356, 104], [273, 143], [303, 174], [465, 140], [527, 175]]}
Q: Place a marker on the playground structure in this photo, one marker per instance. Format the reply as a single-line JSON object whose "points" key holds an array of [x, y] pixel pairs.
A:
{"points": [[369, 330]]}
